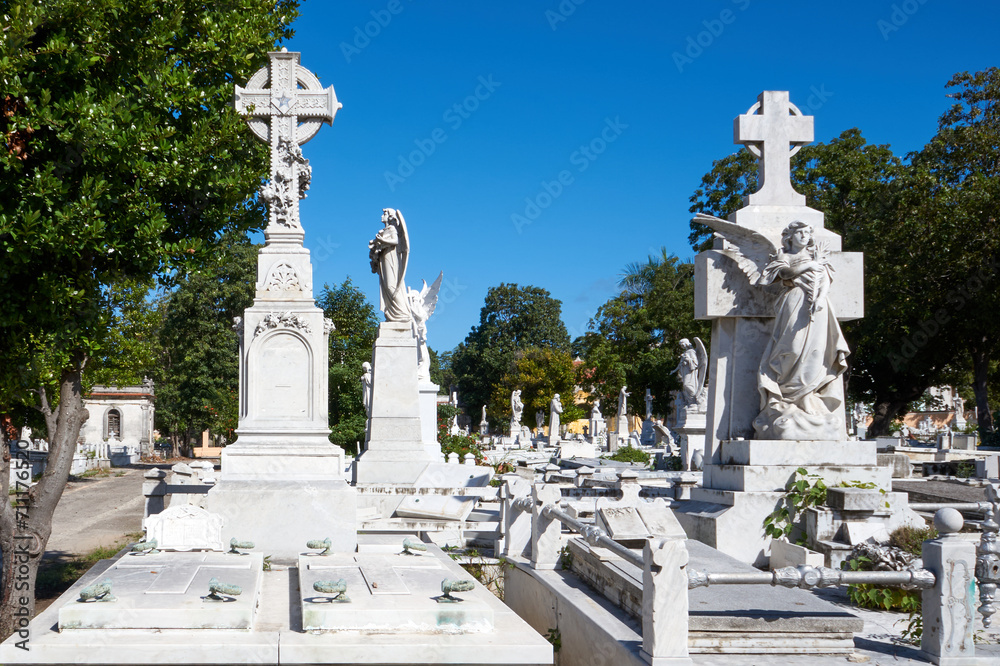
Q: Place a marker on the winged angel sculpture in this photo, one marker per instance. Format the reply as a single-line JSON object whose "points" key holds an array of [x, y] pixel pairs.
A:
{"points": [[422, 304], [692, 370], [801, 397]]}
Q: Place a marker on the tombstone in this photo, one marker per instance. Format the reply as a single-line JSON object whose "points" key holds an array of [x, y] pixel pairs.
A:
{"points": [[754, 446], [184, 528], [282, 446], [648, 436]]}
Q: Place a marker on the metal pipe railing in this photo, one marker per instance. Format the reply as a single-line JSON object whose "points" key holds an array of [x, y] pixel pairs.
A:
{"points": [[807, 577], [595, 536]]}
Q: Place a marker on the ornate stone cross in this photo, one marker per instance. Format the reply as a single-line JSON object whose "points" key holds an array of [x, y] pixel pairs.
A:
{"points": [[286, 116], [768, 129]]}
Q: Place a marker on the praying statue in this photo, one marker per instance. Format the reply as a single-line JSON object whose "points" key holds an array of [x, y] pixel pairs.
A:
{"points": [[623, 402], [389, 254], [692, 370], [801, 394]]}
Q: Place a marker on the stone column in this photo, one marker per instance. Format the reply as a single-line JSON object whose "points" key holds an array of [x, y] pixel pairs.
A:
{"points": [[665, 602], [546, 532], [948, 613]]}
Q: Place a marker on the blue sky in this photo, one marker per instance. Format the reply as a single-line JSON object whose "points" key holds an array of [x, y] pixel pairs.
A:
{"points": [[629, 102]]}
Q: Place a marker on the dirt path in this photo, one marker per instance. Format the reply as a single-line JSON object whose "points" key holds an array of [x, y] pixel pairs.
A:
{"points": [[96, 512]]}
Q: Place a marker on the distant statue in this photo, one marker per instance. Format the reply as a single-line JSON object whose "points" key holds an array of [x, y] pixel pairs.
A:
{"points": [[799, 375], [959, 405], [389, 254], [555, 411], [595, 411], [366, 387], [692, 370], [539, 419], [649, 404], [623, 402], [516, 407], [422, 304]]}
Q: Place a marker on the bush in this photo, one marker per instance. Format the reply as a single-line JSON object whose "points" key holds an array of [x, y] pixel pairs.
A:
{"points": [[629, 455], [911, 539]]}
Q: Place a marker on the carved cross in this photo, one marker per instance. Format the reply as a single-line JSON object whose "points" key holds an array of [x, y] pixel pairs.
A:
{"points": [[769, 129], [286, 116]]}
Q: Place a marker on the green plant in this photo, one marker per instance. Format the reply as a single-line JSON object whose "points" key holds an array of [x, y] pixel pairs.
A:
{"points": [[964, 469], [914, 628], [486, 570], [800, 494], [554, 636], [565, 558], [866, 595], [267, 563], [911, 539], [630, 455], [56, 577]]}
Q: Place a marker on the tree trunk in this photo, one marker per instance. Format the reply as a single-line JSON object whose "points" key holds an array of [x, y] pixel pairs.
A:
{"points": [[980, 370], [25, 531], [883, 412]]}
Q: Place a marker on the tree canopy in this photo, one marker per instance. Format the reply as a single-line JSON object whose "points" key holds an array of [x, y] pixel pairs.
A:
{"points": [[512, 319], [633, 339], [122, 159]]}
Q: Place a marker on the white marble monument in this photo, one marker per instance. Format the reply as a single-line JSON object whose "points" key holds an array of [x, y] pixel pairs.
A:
{"points": [[400, 445], [283, 448], [775, 286]]}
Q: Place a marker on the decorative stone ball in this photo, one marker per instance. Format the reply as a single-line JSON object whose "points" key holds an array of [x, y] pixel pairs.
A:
{"points": [[948, 521]]}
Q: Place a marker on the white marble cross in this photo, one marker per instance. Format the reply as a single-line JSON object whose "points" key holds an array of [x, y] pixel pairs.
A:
{"points": [[286, 116], [774, 129]]}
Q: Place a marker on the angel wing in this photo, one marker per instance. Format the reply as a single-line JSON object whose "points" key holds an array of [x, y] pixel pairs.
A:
{"points": [[743, 241], [429, 295], [699, 347], [404, 247]]}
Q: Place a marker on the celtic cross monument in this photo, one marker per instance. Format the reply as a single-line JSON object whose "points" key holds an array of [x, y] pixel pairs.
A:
{"points": [[282, 477]]}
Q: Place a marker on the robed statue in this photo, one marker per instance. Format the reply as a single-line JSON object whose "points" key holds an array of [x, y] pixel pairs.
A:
{"points": [[691, 370], [389, 252], [422, 304], [801, 394]]}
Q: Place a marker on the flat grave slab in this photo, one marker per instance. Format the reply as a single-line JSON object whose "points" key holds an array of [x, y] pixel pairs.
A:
{"points": [[168, 591], [388, 592]]}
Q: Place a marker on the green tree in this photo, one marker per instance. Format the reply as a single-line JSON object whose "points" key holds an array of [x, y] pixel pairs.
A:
{"points": [[122, 159], [633, 339], [512, 319], [540, 373], [197, 381], [351, 342], [963, 159]]}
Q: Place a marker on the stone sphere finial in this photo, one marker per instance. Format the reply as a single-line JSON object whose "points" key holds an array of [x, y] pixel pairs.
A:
{"points": [[948, 521]]}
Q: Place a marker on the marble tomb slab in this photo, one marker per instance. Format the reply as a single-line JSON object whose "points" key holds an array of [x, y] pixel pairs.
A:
{"points": [[389, 593], [168, 590]]}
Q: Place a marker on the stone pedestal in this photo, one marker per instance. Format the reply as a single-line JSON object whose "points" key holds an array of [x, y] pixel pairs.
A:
{"points": [[690, 429], [428, 419], [282, 449], [648, 434], [397, 452], [749, 481]]}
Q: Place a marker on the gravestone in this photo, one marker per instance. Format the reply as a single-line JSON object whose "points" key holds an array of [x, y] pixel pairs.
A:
{"points": [[775, 286], [282, 447]]}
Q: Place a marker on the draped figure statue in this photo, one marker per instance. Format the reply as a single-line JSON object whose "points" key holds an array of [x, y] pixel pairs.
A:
{"points": [[389, 254]]}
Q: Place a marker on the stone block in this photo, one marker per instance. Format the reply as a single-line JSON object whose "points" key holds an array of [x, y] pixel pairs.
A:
{"points": [[185, 527], [902, 467], [622, 523], [660, 520], [784, 554], [388, 594], [776, 477], [855, 533], [988, 467], [168, 590], [802, 454], [855, 499]]}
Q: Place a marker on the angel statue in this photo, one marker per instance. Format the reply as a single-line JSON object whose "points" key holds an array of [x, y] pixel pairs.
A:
{"points": [[389, 253], [516, 408], [366, 387], [806, 353], [422, 304], [692, 369]]}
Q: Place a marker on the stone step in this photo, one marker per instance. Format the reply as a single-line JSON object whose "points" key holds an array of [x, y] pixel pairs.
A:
{"points": [[780, 452], [751, 478]]}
